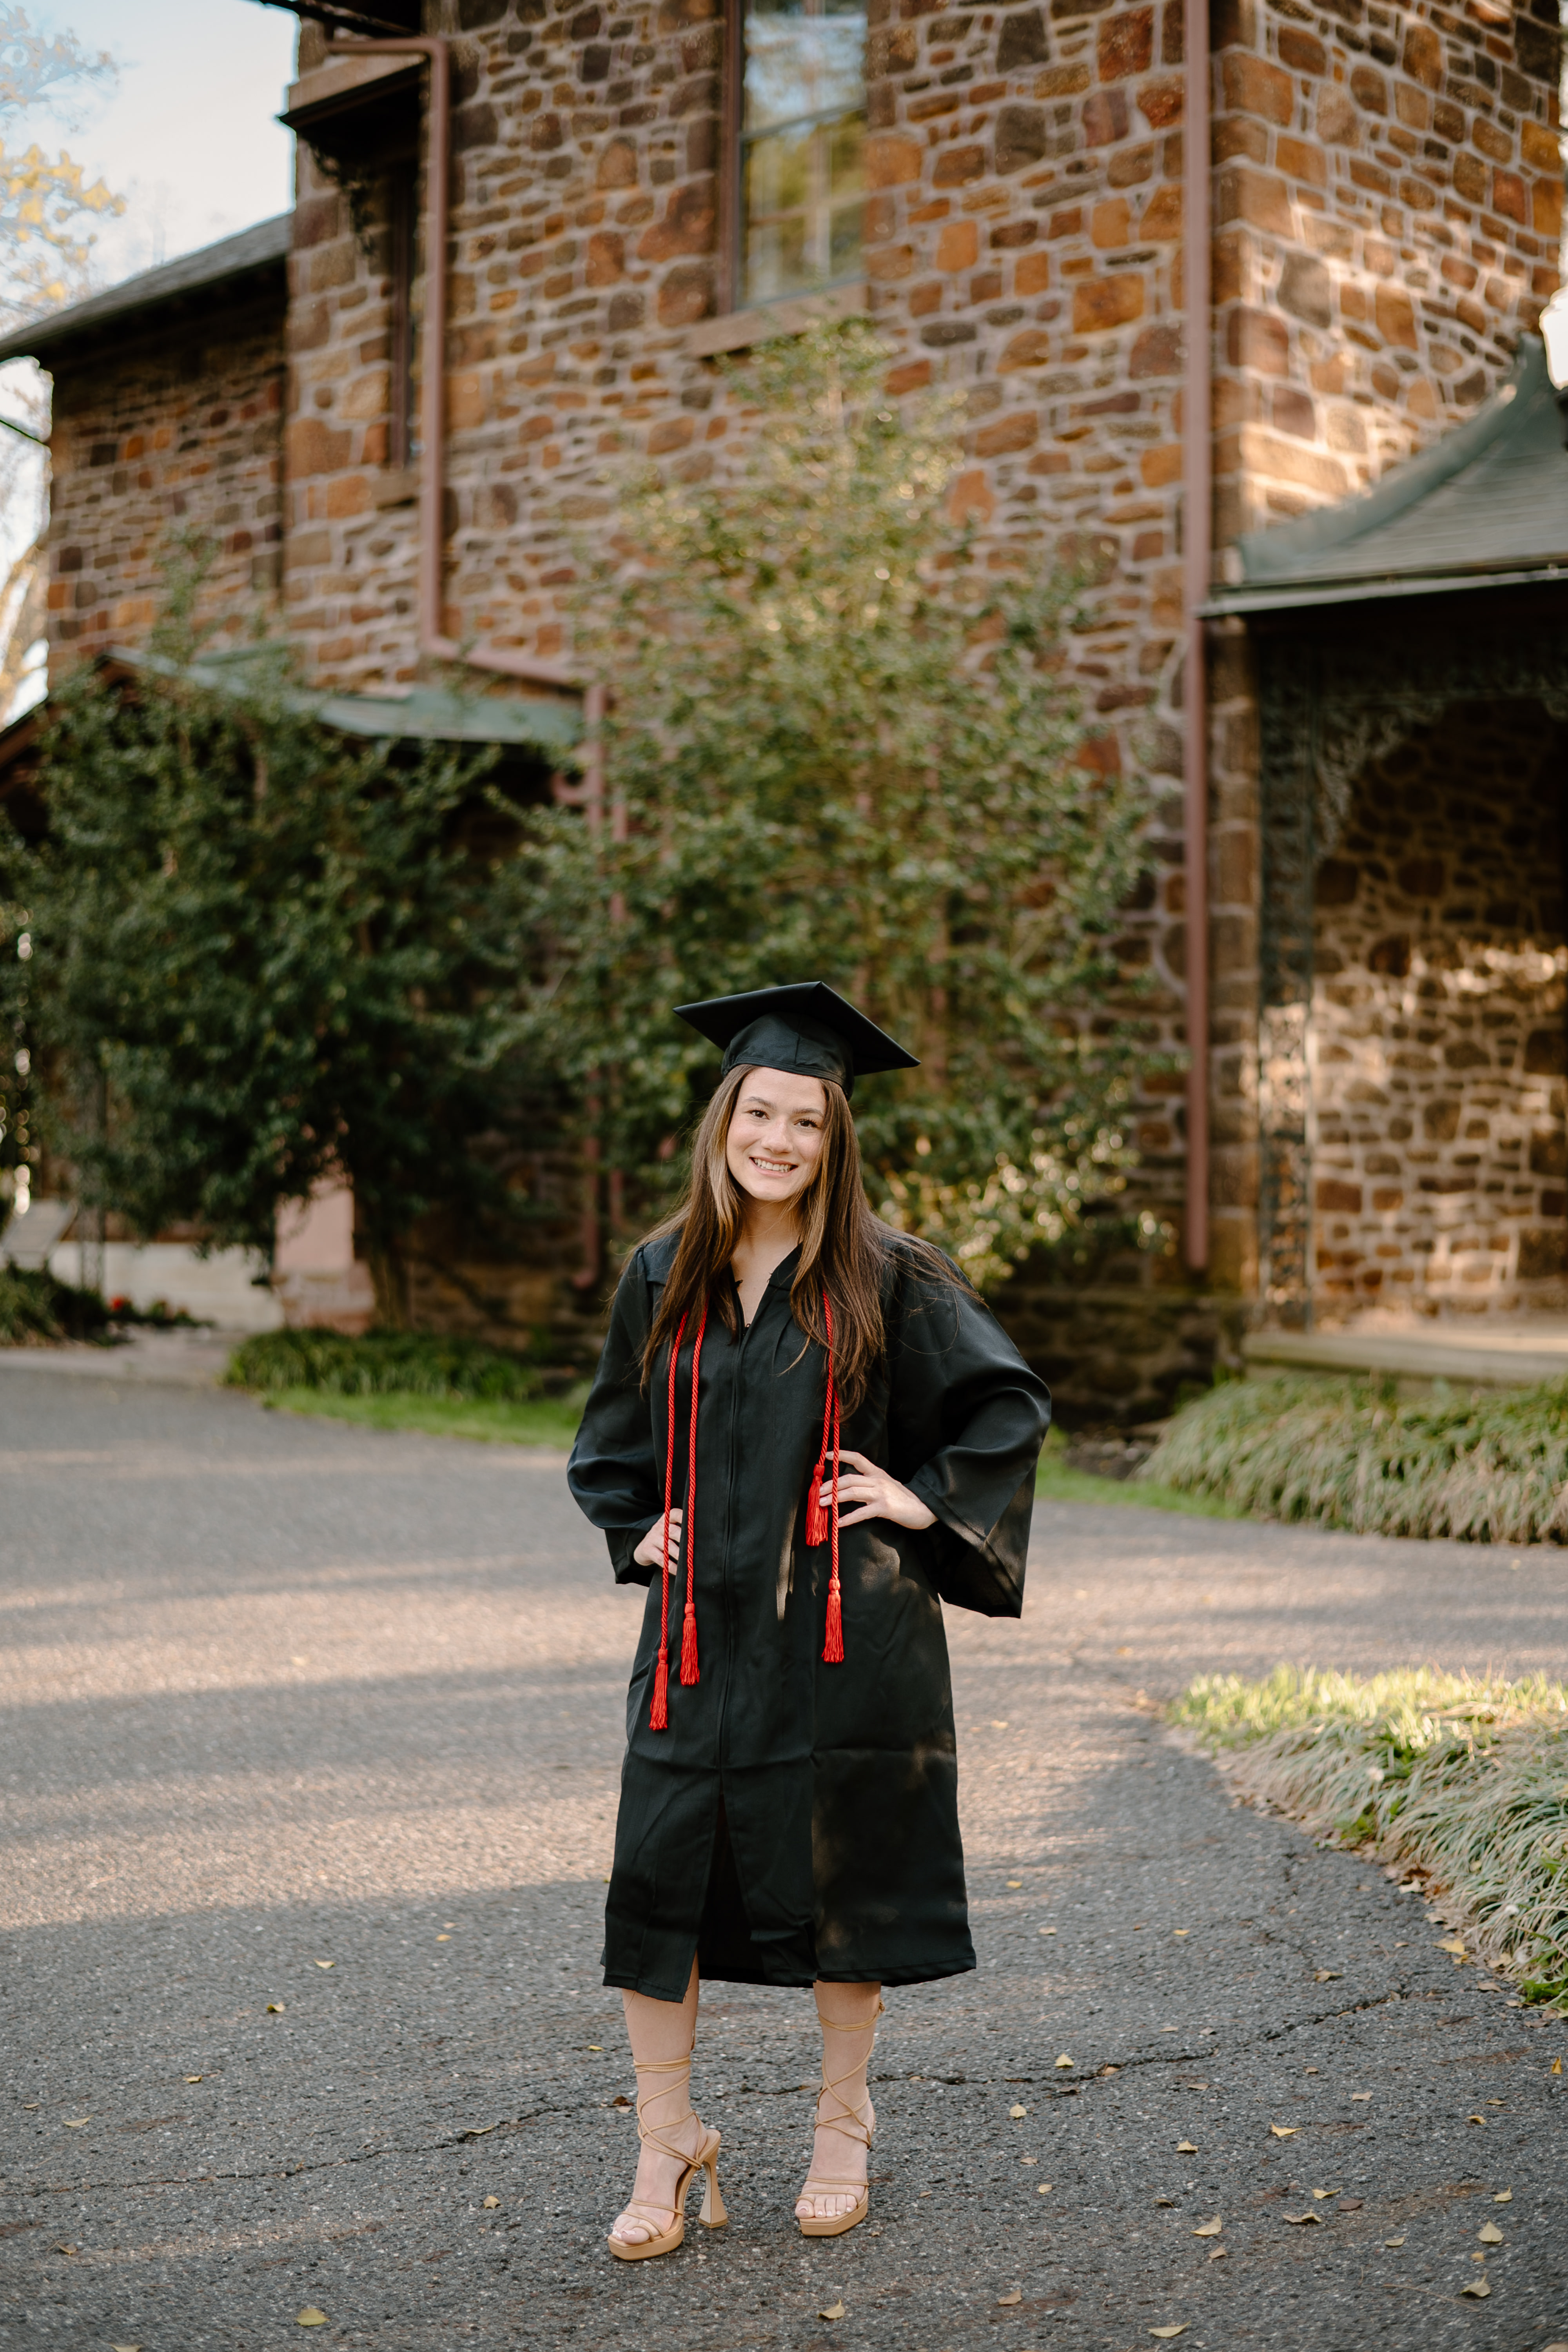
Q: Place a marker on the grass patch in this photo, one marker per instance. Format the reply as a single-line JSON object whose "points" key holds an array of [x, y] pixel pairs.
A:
{"points": [[384, 1363], [1056, 1482], [37, 1311], [1465, 1782], [1487, 1469], [544, 1421]]}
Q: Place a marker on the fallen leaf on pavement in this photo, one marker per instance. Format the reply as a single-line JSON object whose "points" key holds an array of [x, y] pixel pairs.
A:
{"points": [[1014, 1882], [1209, 2228], [1503, 2197], [1360, 2096], [1048, 1931], [75, 2123], [1016, 2296], [125, 2347], [1490, 2235], [1181, 1931], [275, 2009], [1186, 2147], [1044, 2190], [193, 2078], [310, 2318], [68, 2250], [831, 2311], [1454, 1944], [1217, 2253], [1284, 2131], [597, 2048], [1110, 2070], [492, 2202], [1326, 1976], [1165, 2334], [1557, 2066], [1478, 2287], [1322, 2193], [1475, 2119], [1299, 2218], [1393, 2241], [1064, 2059], [326, 1964], [1015, 2115]]}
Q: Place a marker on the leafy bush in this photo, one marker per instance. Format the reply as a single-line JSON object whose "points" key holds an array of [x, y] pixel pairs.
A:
{"points": [[1467, 1781], [383, 1363], [1489, 1468], [37, 1311], [821, 678]]}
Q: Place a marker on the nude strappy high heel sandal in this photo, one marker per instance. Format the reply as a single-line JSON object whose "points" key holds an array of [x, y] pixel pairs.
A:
{"points": [[665, 2239], [851, 2122]]}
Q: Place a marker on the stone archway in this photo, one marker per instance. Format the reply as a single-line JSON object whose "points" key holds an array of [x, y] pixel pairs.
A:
{"points": [[1437, 1040], [1337, 695]]}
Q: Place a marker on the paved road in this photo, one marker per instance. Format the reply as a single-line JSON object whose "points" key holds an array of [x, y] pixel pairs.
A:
{"points": [[280, 1694]]}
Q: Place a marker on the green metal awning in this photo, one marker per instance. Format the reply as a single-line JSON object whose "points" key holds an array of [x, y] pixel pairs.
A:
{"points": [[1485, 506], [537, 720]]}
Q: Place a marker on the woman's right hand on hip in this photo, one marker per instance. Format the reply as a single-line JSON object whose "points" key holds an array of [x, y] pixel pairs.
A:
{"points": [[649, 1553]]}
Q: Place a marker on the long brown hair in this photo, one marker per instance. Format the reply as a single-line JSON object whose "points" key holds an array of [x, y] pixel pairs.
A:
{"points": [[843, 1247]]}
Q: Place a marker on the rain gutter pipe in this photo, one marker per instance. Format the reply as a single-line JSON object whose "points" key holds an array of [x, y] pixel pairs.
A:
{"points": [[1197, 529]]}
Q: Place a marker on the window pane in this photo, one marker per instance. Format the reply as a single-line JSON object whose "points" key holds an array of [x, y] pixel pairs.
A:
{"points": [[799, 64], [803, 131]]}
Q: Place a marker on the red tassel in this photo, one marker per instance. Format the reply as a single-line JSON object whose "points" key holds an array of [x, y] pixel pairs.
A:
{"points": [[833, 1648], [816, 1517], [689, 1673], [658, 1720]]}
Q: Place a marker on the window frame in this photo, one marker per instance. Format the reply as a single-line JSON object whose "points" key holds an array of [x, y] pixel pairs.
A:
{"points": [[730, 302]]}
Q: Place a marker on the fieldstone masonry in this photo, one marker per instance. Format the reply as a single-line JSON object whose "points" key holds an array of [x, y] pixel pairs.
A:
{"points": [[1440, 1161], [180, 434], [1387, 208]]}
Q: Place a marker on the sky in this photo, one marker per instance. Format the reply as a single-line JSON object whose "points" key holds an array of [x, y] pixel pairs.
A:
{"points": [[188, 135]]}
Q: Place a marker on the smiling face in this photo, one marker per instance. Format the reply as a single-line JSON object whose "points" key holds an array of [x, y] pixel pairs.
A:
{"points": [[774, 1144]]}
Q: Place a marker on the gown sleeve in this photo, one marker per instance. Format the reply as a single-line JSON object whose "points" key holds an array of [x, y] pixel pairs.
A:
{"points": [[969, 1418], [613, 1469]]}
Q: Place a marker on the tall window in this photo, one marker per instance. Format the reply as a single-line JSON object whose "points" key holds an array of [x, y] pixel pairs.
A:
{"points": [[802, 125]]}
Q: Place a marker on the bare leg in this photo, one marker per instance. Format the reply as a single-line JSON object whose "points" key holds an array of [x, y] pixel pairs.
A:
{"points": [[845, 2116], [660, 2032]]}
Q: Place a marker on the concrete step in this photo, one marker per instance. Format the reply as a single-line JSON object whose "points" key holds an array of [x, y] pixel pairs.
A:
{"points": [[1504, 1354]]}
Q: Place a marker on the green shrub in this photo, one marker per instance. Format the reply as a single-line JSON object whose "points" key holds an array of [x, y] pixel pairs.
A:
{"points": [[1487, 1469], [382, 1363], [1467, 1781], [37, 1311]]}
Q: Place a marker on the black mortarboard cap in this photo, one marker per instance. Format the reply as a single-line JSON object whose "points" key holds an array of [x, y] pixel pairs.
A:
{"points": [[807, 1027]]}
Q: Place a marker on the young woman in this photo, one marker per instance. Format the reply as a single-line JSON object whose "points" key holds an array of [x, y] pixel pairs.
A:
{"points": [[806, 1431]]}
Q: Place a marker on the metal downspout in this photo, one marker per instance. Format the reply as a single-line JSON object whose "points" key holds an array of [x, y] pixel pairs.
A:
{"points": [[1197, 528]]}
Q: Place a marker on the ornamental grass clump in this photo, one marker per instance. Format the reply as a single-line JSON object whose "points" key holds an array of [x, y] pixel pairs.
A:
{"points": [[383, 1363], [1485, 1468], [37, 1311], [1465, 1782]]}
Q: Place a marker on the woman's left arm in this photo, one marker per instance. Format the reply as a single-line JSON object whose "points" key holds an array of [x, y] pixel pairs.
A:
{"points": [[967, 1410], [873, 1493]]}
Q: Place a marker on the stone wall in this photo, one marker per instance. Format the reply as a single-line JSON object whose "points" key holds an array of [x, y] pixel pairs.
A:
{"points": [[1387, 196], [1441, 1032], [1388, 193], [1388, 206], [177, 430]]}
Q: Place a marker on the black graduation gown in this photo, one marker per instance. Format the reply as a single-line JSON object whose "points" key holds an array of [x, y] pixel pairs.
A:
{"points": [[798, 1820]]}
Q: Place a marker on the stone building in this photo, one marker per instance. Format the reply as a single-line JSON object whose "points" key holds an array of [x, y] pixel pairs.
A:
{"points": [[1367, 218]]}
